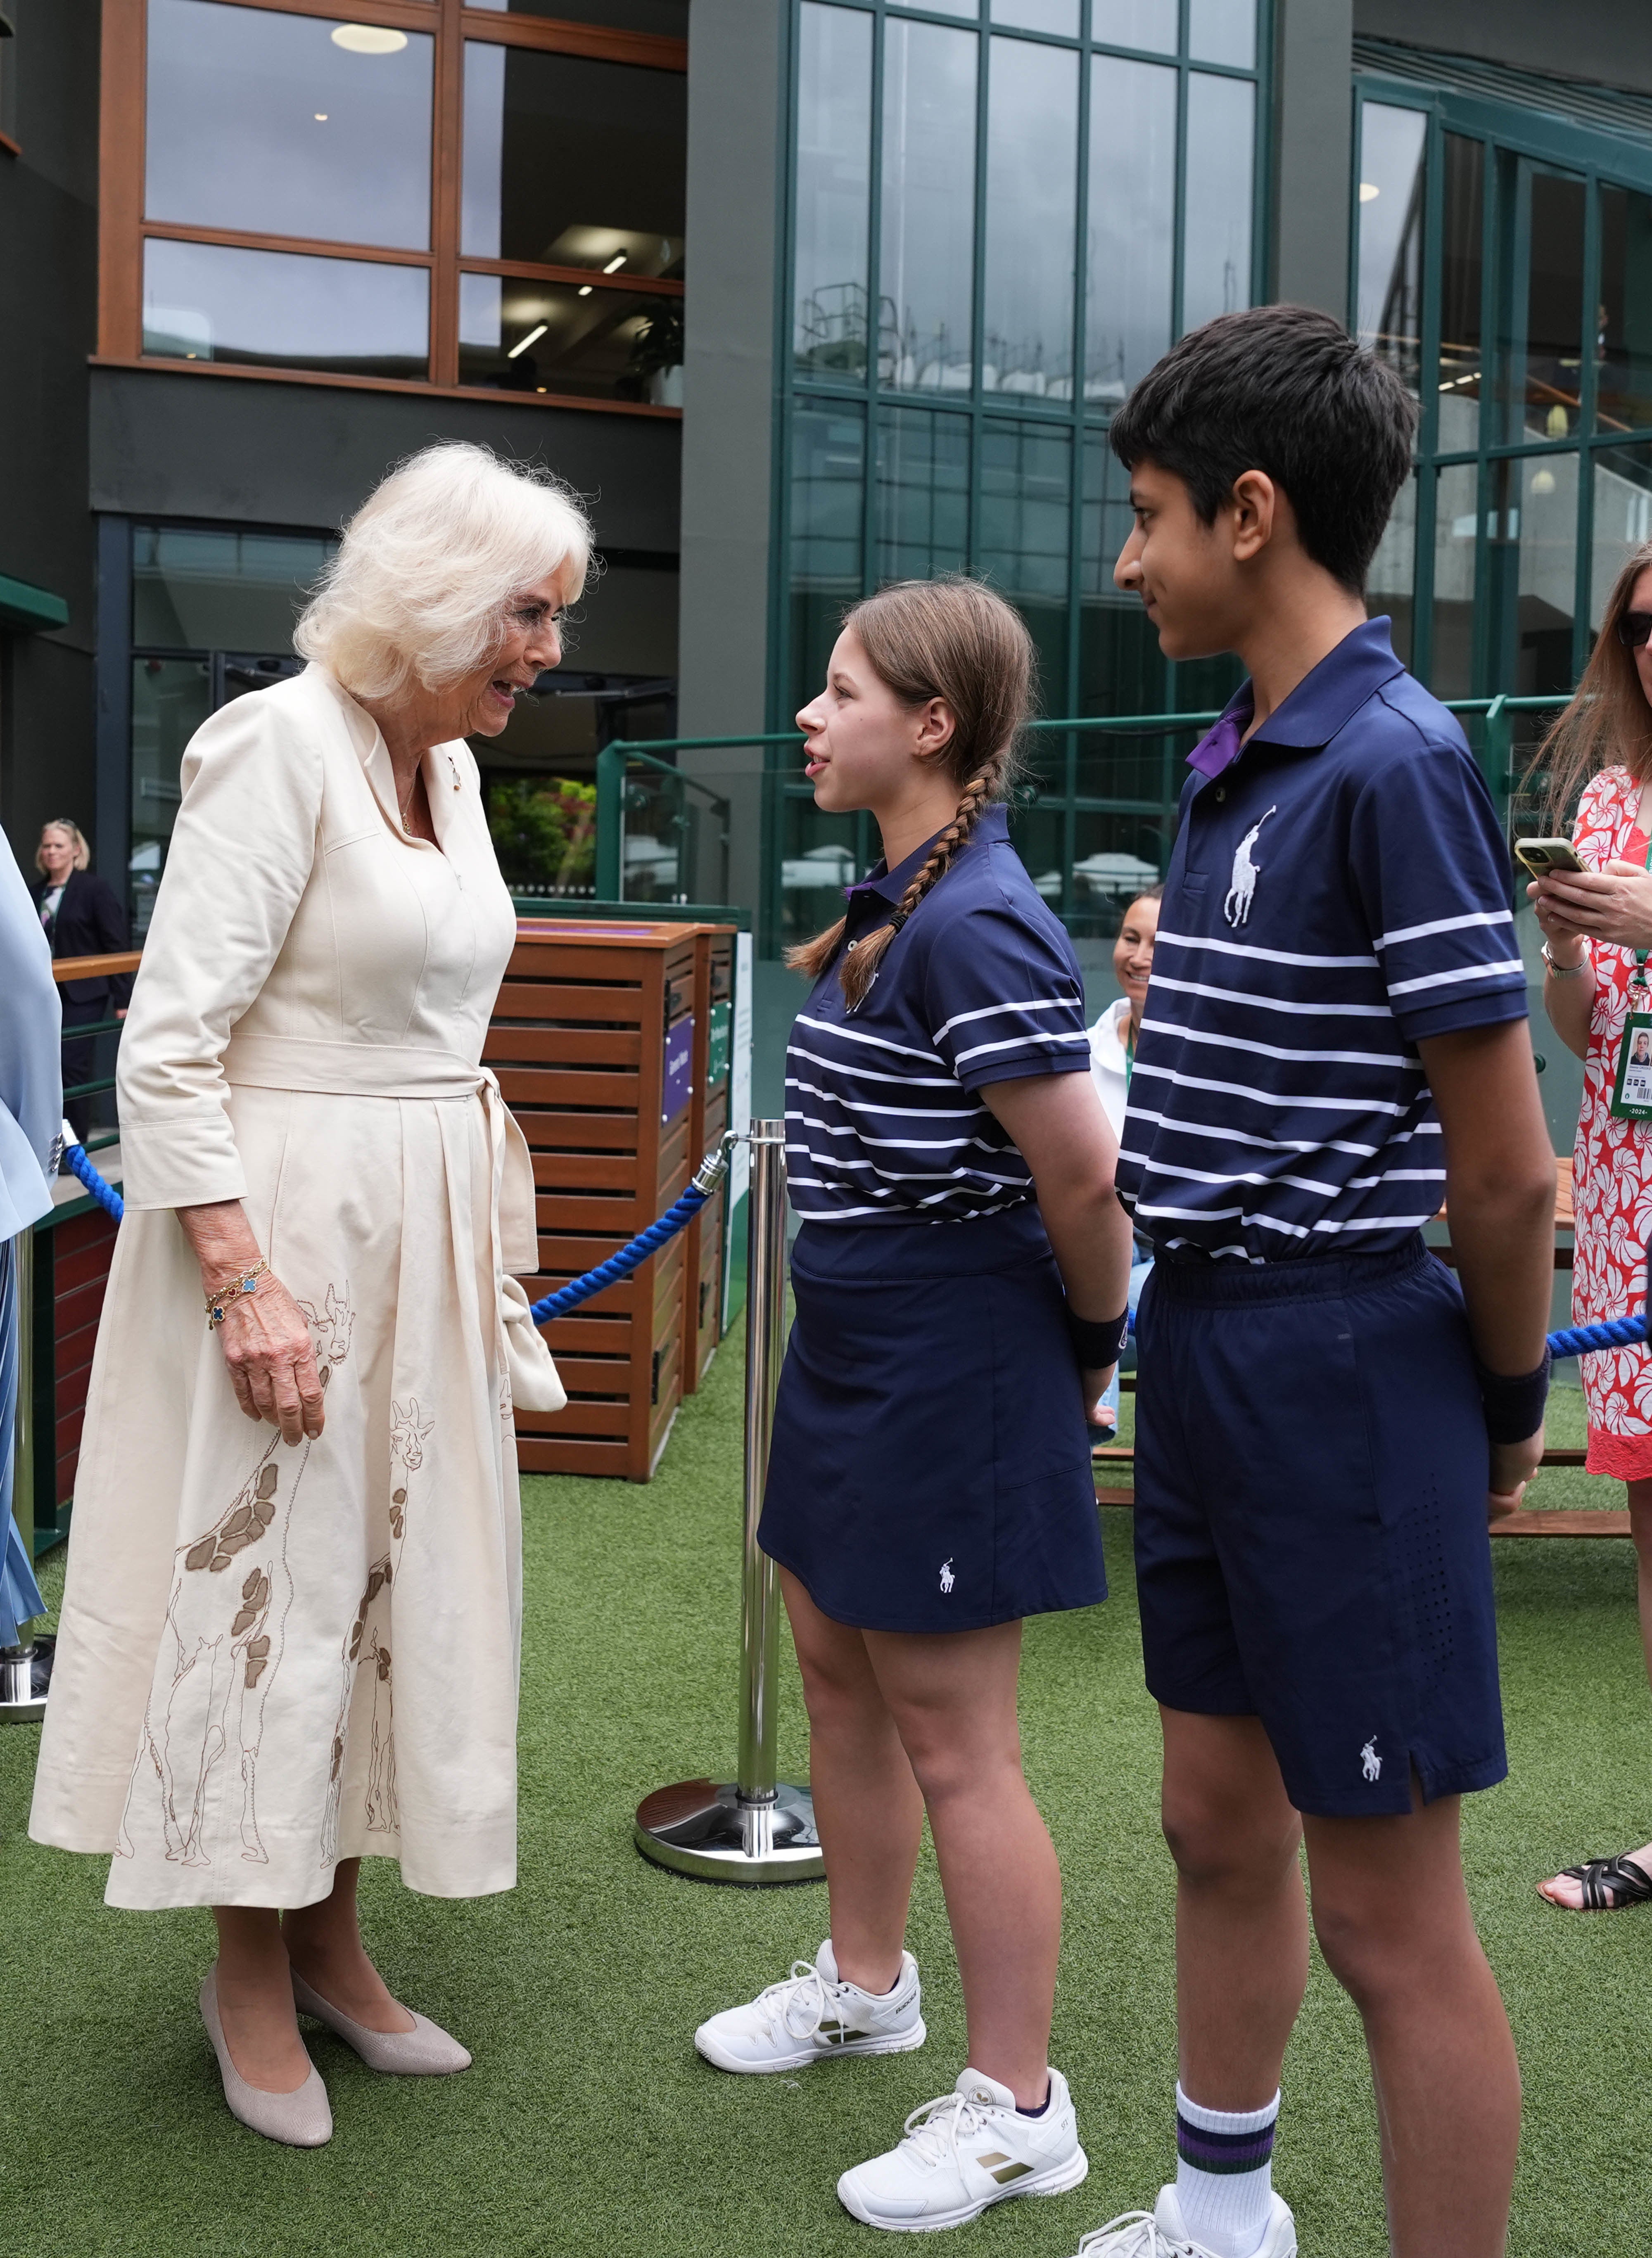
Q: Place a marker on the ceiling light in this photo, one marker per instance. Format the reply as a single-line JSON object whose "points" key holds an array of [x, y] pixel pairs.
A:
{"points": [[584, 290], [1544, 482], [1369, 190], [614, 264], [522, 343], [370, 40], [321, 117]]}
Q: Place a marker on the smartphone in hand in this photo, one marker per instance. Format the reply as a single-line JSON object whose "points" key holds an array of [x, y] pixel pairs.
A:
{"points": [[1542, 856]]}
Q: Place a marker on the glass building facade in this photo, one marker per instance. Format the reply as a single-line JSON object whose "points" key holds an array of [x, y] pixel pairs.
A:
{"points": [[1003, 212]]}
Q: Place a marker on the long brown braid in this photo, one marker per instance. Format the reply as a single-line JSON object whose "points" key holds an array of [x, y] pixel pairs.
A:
{"points": [[954, 640]]}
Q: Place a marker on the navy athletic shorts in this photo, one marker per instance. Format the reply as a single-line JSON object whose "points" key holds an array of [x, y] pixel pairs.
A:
{"points": [[1311, 1543]]}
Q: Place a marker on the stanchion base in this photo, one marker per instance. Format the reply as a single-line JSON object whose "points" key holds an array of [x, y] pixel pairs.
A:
{"points": [[19, 1704], [700, 1829]]}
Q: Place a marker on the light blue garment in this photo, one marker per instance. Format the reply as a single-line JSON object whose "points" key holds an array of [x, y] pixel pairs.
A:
{"points": [[31, 1116], [1139, 1273], [19, 1594]]}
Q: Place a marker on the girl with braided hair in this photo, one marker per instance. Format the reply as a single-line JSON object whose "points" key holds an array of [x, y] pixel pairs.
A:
{"points": [[959, 1277]]}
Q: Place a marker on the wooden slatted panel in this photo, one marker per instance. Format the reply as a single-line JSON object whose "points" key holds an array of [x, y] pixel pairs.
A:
{"points": [[81, 1252]]}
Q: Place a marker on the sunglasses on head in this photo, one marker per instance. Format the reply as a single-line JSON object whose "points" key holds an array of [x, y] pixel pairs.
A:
{"points": [[1633, 628]]}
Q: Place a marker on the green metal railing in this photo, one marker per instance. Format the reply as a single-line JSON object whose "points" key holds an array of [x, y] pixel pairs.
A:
{"points": [[662, 835]]}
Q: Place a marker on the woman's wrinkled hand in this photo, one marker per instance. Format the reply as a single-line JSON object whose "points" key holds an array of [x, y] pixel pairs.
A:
{"points": [[1611, 903], [272, 1360]]}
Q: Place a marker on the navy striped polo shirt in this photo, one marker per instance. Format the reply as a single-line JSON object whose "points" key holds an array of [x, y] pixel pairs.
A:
{"points": [[1339, 890], [884, 1122]]}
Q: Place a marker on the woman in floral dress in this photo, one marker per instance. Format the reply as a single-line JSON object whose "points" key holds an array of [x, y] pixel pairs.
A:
{"points": [[1595, 923]]}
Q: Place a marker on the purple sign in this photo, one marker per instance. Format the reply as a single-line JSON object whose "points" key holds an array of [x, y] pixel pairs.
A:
{"points": [[680, 1068]]}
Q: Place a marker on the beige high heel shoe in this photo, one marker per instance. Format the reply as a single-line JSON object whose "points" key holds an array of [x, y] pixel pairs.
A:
{"points": [[425, 2051], [302, 2119]]}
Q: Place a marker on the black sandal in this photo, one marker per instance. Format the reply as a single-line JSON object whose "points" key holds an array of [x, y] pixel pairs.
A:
{"points": [[1609, 1884]]}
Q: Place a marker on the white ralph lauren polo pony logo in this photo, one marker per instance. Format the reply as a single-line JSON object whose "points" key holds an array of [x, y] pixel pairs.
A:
{"points": [[1236, 908], [947, 1578], [1370, 1763]]}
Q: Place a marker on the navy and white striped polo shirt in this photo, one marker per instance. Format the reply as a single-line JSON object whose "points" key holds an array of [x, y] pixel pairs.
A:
{"points": [[1337, 893], [883, 1120]]}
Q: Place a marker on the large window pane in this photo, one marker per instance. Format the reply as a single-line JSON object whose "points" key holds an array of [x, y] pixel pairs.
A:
{"points": [[1462, 266], [1058, 16], [1623, 520], [1025, 535], [225, 589], [1533, 561], [287, 125], [828, 478], [1121, 670], [1391, 214], [1392, 582], [1222, 31], [669, 17], [1217, 228], [518, 336], [277, 310], [834, 189], [1150, 24], [1549, 373], [1032, 169], [573, 163], [925, 296], [170, 700], [921, 495], [1131, 223], [1624, 353], [1456, 523]]}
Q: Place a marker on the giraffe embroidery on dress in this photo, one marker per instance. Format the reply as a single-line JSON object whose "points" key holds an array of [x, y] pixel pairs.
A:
{"points": [[368, 1642], [227, 1638]]}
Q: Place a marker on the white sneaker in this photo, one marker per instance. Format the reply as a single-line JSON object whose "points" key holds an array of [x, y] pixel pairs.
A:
{"points": [[1160, 2233], [968, 2149], [812, 2016]]}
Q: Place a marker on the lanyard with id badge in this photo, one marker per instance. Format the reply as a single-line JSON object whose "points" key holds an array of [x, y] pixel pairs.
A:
{"points": [[1632, 1092]]}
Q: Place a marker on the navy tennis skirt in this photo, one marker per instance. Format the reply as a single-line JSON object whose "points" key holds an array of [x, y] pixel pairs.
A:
{"points": [[930, 1468]]}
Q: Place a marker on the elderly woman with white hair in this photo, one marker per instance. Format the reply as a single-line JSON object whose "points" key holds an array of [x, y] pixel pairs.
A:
{"points": [[290, 1644]]}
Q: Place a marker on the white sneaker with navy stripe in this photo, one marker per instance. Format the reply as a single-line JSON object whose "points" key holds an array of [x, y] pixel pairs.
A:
{"points": [[814, 2016], [971, 2148]]}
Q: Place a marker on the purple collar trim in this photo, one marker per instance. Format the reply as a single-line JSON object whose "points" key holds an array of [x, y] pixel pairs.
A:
{"points": [[1221, 746]]}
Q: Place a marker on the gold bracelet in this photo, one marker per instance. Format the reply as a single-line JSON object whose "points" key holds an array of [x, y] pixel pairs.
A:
{"points": [[246, 1284]]}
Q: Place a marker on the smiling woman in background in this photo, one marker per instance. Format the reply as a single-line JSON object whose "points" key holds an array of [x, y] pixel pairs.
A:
{"points": [[280, 1652], [82, 916], [1112, 1062]]}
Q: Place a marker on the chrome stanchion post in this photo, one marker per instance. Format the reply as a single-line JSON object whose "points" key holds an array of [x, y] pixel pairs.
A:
{"points": [[756, 1828]]}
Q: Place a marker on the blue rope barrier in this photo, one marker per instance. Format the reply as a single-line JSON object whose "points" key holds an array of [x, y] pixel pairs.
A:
{"points": [[1586, 1340], [79, 1164]]}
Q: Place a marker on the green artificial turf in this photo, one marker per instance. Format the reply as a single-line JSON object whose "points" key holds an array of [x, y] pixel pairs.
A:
{"points": [[588, 2125]]}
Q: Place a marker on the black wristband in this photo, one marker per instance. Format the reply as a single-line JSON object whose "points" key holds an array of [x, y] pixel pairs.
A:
{"points": [[1098, 1343], [1513, 1404]]}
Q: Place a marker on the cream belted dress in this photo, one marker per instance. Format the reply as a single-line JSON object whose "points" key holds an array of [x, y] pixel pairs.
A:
{"points": [[273, 1656]]}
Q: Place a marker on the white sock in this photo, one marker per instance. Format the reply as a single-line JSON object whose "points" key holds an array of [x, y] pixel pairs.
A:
{"points": [[1224, 2180]]}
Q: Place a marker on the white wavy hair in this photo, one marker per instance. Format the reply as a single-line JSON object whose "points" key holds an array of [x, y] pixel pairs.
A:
{"points": [[428, 566]]}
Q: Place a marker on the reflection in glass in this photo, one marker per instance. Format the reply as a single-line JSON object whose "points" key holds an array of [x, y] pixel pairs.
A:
{"points": [[1552, 376], [1392, 582], [1217, 225], [667, 17], [258, 122], [1623, 346], [1115, 856], [573, 163], [921, 495], [1032, 164], [1150, 24], [925, 296], [1539, 519], [1022, 547], [223, 590], [1132, 207], [1462, 257], [834, 189], [170, 700], [1120, 668], [1058, 16], [828, 472], [1222, 31], [276, 308], [1623, 520], [1456, 521], [519, 336], [1390, 217]]}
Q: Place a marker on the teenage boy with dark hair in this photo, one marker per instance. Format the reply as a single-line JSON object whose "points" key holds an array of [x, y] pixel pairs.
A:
{"points": [[1335, 1038]]}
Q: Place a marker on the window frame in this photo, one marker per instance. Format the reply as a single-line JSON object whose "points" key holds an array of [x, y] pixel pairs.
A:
{"points": [[1515, 142], [123, 230]]}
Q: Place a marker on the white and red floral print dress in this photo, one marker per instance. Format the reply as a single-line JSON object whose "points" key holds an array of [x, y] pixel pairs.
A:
{"points": [[1612, 1168]]}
